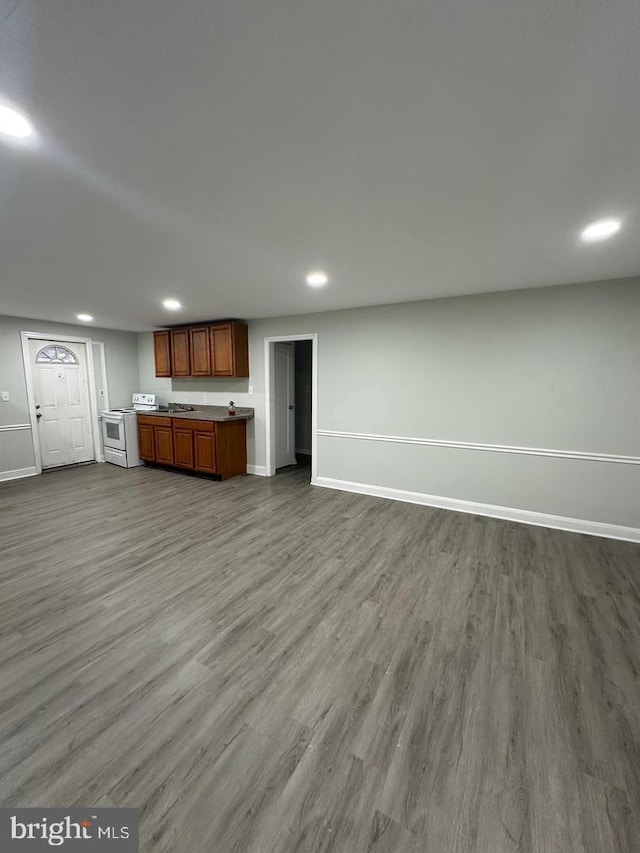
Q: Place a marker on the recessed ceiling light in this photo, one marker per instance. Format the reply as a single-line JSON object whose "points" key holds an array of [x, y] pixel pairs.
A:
{"points": [[317, 278], [86, 318], [601, 230], [172, 304], [13, 123]]}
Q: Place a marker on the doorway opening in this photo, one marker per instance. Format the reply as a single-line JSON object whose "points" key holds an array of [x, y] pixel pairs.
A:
{"points": [[291, 371], [59, 373]]}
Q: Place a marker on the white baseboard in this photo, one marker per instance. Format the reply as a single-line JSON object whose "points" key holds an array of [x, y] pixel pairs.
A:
{"points": [[302, 450], [18, 473], [257, 470], [540, 519]]}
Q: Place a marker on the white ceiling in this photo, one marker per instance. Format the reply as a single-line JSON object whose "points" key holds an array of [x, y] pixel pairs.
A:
{"points": [[216, 150]]}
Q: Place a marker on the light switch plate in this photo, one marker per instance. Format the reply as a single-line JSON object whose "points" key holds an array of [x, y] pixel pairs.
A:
{"points": [[5, 396]]}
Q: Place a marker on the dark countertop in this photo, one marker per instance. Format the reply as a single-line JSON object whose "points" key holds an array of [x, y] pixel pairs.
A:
{"points": [[206, 413]]}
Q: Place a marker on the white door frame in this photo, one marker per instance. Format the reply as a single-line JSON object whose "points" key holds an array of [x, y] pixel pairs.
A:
{"points": [[105, 388], [28, 375], [269, 400]]}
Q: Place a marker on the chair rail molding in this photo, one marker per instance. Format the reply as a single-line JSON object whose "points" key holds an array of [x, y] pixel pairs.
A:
{"points": [[13, 427], [490, 448]]}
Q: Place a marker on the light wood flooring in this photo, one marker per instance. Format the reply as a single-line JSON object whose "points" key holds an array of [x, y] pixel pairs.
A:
{"points": [[265, 667]]}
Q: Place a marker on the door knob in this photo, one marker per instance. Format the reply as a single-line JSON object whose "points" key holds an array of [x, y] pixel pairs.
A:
{"points": [[38, 415], [290, 407]]}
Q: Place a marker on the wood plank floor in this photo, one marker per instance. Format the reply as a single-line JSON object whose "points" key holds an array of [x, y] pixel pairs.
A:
{"points": [[266, 667]]}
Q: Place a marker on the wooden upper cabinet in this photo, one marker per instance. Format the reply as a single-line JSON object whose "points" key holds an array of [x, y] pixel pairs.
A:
{"points": [[240, 333], [230, 349], [219, 349], [222, 350], [199, 344], [180, 356], [162, 353]]}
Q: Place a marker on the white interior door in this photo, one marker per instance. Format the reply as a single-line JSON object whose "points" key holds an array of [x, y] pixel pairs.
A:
{"points": [[284, 398], [59, 372]]}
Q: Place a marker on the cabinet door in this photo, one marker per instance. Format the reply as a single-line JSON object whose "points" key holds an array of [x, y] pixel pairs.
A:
{"points": [[240, 333], [231, 448], [180, 360], [205, 452], [164, 445], [183, 447], [222, 349], [146, 444], [200, 351], [162, 353]]}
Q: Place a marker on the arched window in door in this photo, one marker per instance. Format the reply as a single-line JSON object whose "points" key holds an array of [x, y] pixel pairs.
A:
{"points": [[55, 354]]}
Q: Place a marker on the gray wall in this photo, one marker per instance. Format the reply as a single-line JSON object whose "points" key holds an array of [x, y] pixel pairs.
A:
{"points": [[553, 368], [121, 355]]}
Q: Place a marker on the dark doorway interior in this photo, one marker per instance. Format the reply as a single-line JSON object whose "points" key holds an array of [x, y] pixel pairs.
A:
{"points": [[303, 380]]}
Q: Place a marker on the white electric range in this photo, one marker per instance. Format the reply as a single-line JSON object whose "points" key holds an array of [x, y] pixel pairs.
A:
{"points": [[120, 431]]}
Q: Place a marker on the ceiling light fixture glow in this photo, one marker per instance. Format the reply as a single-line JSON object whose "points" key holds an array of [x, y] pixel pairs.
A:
{"points": [[172, 304], [601, 230], [13, 123], [86, 318], [317, 278]]}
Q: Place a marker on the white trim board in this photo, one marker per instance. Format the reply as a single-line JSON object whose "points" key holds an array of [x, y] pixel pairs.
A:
{"points": [[269, 401], [257, 470], [492, 448], [18, 473], [14, 427], [558, 522], [105, 385]]}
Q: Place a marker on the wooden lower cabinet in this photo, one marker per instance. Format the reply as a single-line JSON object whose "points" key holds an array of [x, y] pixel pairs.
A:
{"points": [[232, 448], [155, 440], [163, 437], [205, 452], [183, 448], [146, 444], [208, 447]]}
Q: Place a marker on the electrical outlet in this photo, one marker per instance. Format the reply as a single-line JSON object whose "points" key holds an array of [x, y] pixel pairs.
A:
{"points": [[205, 398], [5, 396], [250, 389]]}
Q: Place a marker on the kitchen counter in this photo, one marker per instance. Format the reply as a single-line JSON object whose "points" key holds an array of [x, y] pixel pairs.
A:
{"points": [[207, 440], [206, 413]]}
